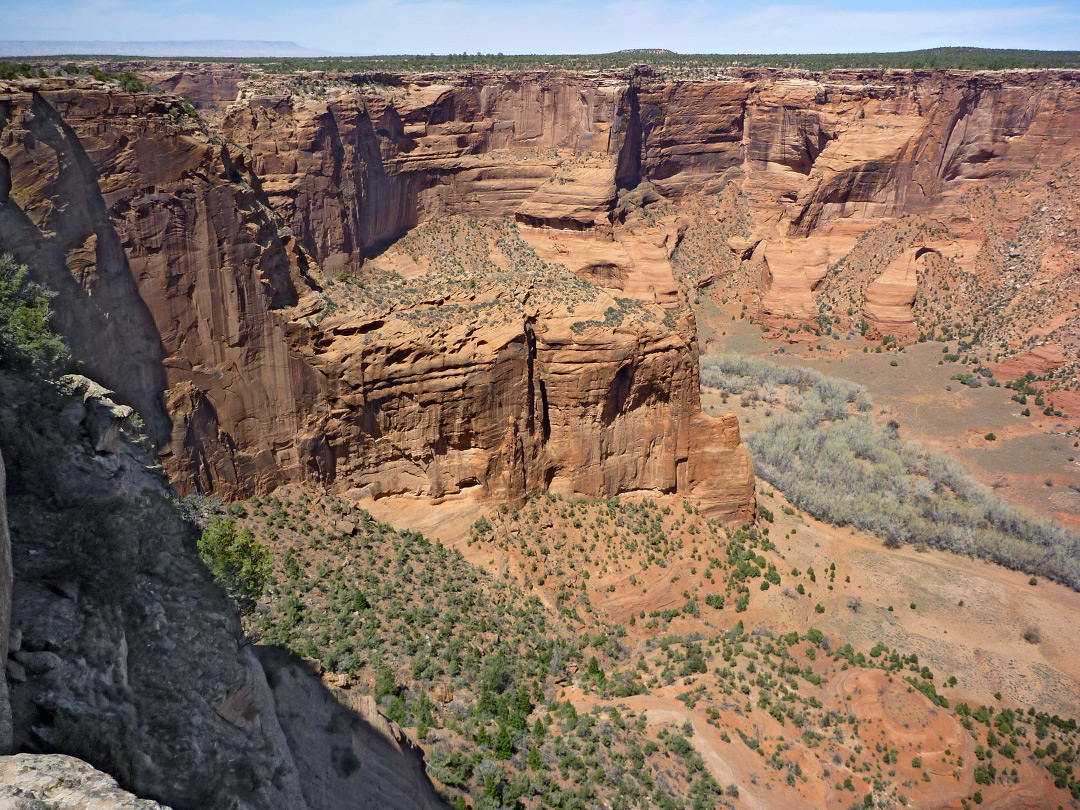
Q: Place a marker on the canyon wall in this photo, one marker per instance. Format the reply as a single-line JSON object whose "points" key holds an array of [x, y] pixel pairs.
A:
{"points": [[187, 285], [221, 274], [818, 159], [126, 654], [807, 149]]}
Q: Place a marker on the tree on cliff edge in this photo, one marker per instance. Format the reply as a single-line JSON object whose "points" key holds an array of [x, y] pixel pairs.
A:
{"points": [[237, 560], [27, 340]]}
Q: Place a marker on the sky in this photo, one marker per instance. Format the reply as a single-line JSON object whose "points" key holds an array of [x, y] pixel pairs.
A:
{"points": [[362, 27]]}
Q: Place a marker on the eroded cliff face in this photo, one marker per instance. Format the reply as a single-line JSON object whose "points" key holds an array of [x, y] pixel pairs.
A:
{"points": [[816, 160], [203, 287], [125, 653], [232, 279], [357, 168]]}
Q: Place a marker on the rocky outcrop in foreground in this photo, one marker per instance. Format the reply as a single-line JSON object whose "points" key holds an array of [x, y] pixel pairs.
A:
{"points": [[58, 782], [125, 654]]}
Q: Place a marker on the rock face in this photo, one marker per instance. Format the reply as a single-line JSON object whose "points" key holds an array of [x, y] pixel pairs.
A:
{"points": [[58, 782], [890, 297], [203, 282], [125, 654], [5, 612], [353, 758], [102, 418], [169, 268], [354, 170], [196, 288], [603, 413]]}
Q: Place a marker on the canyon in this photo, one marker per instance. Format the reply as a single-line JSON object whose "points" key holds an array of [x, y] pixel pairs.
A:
{"points": [[228, 262], [475, 303]]}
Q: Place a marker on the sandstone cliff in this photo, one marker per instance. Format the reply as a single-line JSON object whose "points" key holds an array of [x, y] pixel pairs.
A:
{"points": [[240, 296], [201, 281], [980, 161]]}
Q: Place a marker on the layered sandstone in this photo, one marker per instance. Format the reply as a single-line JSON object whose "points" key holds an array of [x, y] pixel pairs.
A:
{"points": [[169, 269], [197, 280], [520, 379], [890, 297], [198, 267], [819, 158]]}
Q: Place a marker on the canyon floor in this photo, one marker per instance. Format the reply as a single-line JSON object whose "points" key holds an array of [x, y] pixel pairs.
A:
{"points": [[989, 636], [1032, 460], [839, 592]]}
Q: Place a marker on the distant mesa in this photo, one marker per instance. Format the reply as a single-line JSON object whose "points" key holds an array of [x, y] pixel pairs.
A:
{"points": [[649, 51], [196, 47]]}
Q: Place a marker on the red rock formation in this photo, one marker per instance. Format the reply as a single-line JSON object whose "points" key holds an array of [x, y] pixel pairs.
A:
{"points": [[170, 273], [530, 405], [209, 87], [199, 273], [889, 298], [791, 270], [204, 311]]}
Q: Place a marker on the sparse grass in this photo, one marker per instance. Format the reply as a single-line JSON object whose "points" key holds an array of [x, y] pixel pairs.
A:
{"points": [[487, 660], [474, 272]]}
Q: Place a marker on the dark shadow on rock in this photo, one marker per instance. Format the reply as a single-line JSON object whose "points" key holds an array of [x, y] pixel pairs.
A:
{"points": [[76, 252], [347, 753]]}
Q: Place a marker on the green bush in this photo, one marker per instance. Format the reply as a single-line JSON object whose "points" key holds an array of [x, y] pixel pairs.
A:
{"points": [[33, 433], [27, 340], [239, 562]]}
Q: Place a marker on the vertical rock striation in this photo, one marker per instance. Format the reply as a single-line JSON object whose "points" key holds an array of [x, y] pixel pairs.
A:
{"points": [[191, 282], [194, 275]]}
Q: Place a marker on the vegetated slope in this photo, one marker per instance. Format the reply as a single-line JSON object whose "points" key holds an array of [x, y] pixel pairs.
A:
{"points": [[460, 655], [829, 457], [633, 652]]}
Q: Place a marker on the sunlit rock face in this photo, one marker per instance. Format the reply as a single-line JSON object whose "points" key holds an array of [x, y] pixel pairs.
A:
{"points": [[210, 272]]}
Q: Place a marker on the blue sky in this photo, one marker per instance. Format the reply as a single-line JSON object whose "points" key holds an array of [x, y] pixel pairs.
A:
{"points": [[559, 26]]}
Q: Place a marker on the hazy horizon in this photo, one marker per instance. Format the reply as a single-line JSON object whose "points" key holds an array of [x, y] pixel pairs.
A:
{"points": [[378, 27]]}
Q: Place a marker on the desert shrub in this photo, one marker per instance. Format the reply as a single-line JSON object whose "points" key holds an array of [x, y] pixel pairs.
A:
{"points": [[33, 431], [27, 340], [16, 70], [237, 560], [844, 468]]}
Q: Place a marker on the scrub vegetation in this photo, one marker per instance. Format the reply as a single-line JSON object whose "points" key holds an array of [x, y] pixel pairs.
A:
{"points": [[536, 686], [822, 448]]}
